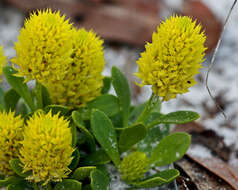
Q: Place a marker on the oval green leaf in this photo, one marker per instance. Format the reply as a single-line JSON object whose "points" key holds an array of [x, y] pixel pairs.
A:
{"points": [[75, 160], [170, 149], [106, 103], [129, 136], [152, 138], [10, 180], [68, 184], [79, 123], [17, 186], [11, 98], [178, 117], [105, 134], [17, 83], [82, 172], [55, 109], [106, 85], [159, 179], [99, 181], [96, 158], [122, 89], [17, 168]]}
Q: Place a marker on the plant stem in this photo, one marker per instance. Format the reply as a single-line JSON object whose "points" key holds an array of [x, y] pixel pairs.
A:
{"points": [[38, 91], [35, 186], [153, 101]]}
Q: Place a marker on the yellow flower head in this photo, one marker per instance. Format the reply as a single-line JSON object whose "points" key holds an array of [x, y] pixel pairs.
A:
{"points": [[134, 166], [173, 58], [83, 81], [44, 47], [11, 129], [3, 60], [46, 149]]}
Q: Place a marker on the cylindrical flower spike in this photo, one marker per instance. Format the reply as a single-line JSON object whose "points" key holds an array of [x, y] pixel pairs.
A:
{"points": [[11, 134], [3, 60], [47, 148], [83, 81], [44, 47], [134, 166], [170, 62]]}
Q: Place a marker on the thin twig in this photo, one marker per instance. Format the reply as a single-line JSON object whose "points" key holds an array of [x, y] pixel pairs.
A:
{"points": [[214, 56]]}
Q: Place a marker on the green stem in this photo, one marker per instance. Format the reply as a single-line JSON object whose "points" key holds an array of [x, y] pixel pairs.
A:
{"points": [[38, 91], [153, 101], [35, 186]]}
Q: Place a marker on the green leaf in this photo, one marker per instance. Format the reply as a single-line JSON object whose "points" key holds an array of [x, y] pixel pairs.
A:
{"points": [[2, 105], [103, 169], [77, 118], [68, 184], [159, 179], [45, 96], [55, 109], [136, 112], [170, 149], [17, 168], [17, 186], [9, 180], [106, 85], [42, 96], [11, 99], [82, 172], [96, 158], [79, 123], [99, 181], [87, 187], [122, 89], [105, 134], [17, 83], [129, 136], [178, 117], [152, 117], [152, 138], [75, 160], [74, 134], [106, 103], [153, 104], [117, 121]]}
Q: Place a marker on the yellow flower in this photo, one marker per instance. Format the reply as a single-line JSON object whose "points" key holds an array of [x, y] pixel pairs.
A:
{"points": [[11, 129], [134, 166], [83, 81], [173, 58], [44, 47], [46, 149], [3, 60]]}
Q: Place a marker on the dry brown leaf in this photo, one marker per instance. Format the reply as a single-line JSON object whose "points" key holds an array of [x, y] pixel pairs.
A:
{"points": [[195, 177], [219, 168]]}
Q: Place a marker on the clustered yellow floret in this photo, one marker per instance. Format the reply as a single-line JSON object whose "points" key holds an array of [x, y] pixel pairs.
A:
{"points": [[83, 81], [170, 62], [67, 61], [11, 133], [44, 47], [134, 166], [47, 148], [3, 60]]}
